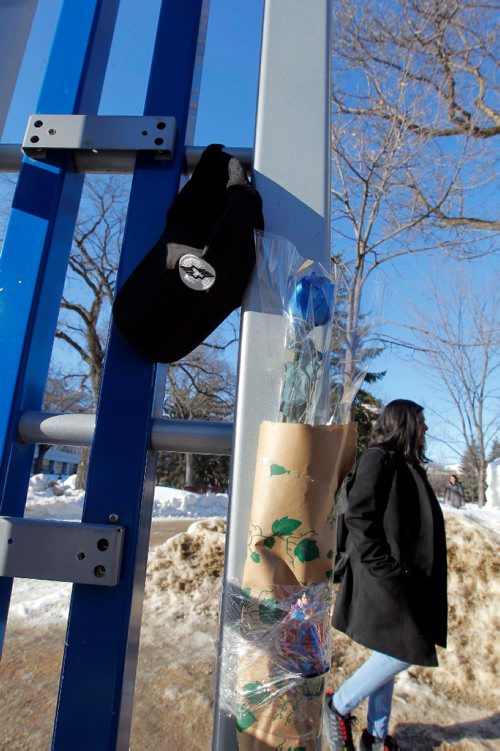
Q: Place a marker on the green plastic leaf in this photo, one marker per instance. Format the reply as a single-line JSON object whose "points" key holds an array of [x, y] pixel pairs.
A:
{"points": [[255, 693], [285, 526], [306, 550], [269, 542], [244, 718], [246, 592], [277, 469], [255, 557]]}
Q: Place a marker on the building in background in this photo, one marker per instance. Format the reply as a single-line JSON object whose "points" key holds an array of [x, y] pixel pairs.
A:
{"points": [[58, 460]]}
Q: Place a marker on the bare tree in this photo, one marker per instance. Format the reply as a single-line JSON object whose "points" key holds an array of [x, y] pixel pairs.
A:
{"points": [[412, 123], [88, 292], [200, 387], [459, 339], [93, 264]]}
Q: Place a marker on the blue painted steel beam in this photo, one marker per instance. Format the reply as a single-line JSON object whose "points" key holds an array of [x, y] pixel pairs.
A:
{"points": [[37, 245], [99, 664]]}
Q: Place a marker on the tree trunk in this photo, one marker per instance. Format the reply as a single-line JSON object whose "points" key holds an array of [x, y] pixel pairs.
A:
{"points": [[189, 476], [481, 482], [42, 450], [83, 468]]}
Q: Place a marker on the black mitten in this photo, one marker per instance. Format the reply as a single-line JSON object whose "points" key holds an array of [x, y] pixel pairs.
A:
{"points": [[196, 274]]}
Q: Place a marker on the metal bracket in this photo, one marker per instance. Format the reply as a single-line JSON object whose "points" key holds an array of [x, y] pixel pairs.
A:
{"points": [[61, 551], [95, 136]]}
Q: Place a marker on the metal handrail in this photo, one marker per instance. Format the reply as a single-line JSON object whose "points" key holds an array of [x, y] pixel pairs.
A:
{"points": [[183, 436]]}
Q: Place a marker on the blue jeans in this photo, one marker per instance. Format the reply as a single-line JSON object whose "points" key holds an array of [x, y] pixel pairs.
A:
{"points": [[375, 680]]}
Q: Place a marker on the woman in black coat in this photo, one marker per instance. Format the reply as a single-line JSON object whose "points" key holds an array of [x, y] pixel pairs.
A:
{"points": [[392, 598]]}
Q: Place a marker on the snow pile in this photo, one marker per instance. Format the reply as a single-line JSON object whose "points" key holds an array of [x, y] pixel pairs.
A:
{"points": [[493, 483], [50, 498], [184, 574], [170, 502]]}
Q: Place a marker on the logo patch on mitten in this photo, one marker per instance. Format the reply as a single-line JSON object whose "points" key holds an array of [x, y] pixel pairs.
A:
{"points": [[196, 273]]}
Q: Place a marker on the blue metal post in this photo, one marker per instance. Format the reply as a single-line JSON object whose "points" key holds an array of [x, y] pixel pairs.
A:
{"points": [[38, 242], [99, 664]]}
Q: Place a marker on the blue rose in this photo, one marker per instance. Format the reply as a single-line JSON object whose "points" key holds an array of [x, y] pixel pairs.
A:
{"points": [[312, 299]]}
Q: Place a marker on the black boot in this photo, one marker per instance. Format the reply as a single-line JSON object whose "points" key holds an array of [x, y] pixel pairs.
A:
{"points": [[369, 742]]}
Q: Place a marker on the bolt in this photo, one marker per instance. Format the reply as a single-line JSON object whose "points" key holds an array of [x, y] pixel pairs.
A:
{"points": [[113, 518]]}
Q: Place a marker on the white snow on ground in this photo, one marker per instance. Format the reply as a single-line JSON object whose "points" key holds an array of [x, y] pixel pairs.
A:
{"points": [[486, 517], [50, 498], [170, 502]]}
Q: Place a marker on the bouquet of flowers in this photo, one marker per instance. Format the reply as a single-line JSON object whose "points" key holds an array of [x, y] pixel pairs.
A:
{"points": [[280, 634]]}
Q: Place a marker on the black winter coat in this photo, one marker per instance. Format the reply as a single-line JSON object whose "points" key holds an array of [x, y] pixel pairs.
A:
{"points": [[392, 598]]}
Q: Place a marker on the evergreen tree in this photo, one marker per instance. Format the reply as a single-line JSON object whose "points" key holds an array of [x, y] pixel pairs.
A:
{"points": [[366, 409], [494, 451], [353, 350], [469, 470]]}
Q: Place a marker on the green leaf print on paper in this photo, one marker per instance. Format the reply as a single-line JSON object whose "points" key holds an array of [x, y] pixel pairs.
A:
{"points": [[256, 693], [246, 592], [277, 469], [329, 555], [285, 526], [255, 557], [269, 542], [244, 718], [329, 574], [306, 550]]}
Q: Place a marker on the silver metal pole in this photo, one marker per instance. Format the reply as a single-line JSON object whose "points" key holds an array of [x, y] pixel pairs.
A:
{"points": [[192, 436], [291, 171], [114, 162], [16, 17]]}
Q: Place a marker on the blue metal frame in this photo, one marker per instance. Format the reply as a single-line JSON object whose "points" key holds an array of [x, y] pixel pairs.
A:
{"points": [[97, 678], [38, 242]]}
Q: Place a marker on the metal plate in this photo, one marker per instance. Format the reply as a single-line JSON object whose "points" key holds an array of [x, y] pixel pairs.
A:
{"points": [[61, 551], [99, 133]]}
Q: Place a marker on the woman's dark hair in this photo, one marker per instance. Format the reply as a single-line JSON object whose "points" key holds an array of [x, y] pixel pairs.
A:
{"points": [[396, 429]]}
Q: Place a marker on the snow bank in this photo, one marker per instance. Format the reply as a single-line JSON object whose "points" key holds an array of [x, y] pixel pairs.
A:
{"points": [[184, 575], [170, 502], [50, 498], [493, 483]]}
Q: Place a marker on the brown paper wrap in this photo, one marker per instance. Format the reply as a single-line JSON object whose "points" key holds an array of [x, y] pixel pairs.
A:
{"points": [[299, 468]]}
